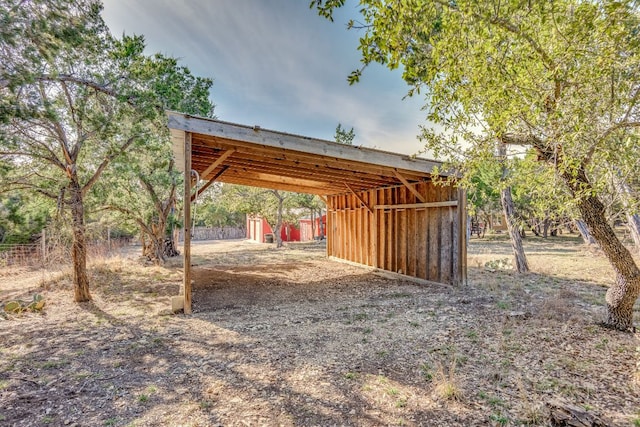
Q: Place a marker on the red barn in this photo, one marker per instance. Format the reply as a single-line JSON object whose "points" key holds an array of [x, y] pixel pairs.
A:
{"points": [[306, 232], [258, 228]]}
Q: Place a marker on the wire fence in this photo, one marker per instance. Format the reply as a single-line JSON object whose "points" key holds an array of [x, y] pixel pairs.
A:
{"points": [[52, 249], [21, 255], [49, 253]]}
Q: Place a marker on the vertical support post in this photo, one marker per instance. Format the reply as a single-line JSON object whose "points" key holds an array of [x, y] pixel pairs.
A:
{"points": [[462, 236], [186, 283]]}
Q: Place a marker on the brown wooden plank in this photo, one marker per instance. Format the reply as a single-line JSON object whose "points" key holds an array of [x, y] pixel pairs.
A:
{"points": [[329, 228], [216, 163], [355, 180], [409, 186], [235, 177], [352, 229], [445, 244], [321, 161], [433, 219], [186, 280], [357, 196], [359, 234], [402, 236], [389, 235], [211, 181], [382, 244], [422, 243], [419, 205], [373, 257], [412, 249], [462, 231], [281, 140], [366, 230], [455, 239]]}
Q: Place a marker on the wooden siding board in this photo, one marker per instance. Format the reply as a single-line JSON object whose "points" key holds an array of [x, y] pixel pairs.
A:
{"points": [[389, 233], [434, 237], [412, 250], [403, 240], [422, 244], [417, 240], [445, 236], [374, 231]]}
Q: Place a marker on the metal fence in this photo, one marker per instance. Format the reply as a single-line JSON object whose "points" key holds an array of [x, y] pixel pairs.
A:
{"points": [[28, 254]]}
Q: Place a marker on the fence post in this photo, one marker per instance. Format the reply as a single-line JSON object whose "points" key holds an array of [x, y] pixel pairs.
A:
{"points": [[43, 243]]}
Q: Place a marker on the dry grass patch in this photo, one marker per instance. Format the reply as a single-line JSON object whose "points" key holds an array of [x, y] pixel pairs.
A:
{"points": [[446, 384], [285, 337]]}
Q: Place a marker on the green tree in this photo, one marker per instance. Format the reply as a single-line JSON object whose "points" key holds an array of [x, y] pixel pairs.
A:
{"points": [[344, 136], [74, 99], [143, 185], [315, 205], [562, 77]]}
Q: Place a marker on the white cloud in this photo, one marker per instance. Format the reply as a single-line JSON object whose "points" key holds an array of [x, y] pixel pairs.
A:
{"points": [[278, 65]]}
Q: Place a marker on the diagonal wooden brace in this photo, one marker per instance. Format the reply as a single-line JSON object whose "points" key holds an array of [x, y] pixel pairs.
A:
{"points": [[410, 187]]}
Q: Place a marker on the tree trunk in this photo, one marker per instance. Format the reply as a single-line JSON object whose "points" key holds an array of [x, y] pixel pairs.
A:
{"points": [[623, 294], [519, 258], [321, 225], [313, 224], [79, 248], [545, 227], [278, 230], [584, 232]]}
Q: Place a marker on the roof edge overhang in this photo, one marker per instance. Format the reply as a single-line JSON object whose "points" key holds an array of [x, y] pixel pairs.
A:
{"points": [[297, 143]]}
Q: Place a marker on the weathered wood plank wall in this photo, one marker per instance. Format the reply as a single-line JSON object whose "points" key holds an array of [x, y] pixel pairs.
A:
{"points": [[397, 232]]}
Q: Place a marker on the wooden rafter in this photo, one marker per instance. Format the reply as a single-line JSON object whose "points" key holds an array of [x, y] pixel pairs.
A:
{"points": [[359, 198], [211, 181], [255, 136], [299, 171], [409, 186], [308, 160], [217, 163], [448, 203]]}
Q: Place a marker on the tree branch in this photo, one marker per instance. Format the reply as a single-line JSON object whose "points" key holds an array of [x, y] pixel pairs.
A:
{"points": [[131, 215], [506, 25], [105, 163]]}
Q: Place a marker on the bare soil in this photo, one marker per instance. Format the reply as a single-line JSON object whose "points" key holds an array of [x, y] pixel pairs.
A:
{"points": [[287, 337]]}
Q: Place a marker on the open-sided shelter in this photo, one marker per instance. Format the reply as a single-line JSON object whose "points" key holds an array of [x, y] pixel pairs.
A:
{"points": [[383, 209]]}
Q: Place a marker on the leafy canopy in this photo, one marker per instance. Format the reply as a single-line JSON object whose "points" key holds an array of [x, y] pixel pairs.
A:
{"points": [[561, 76]]}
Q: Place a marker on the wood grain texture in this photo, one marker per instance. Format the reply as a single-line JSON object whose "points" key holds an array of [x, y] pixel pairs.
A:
{"points": [[402, 235]]}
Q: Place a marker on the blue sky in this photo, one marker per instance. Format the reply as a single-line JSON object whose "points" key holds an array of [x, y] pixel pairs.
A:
{"points": [[279, 65]]}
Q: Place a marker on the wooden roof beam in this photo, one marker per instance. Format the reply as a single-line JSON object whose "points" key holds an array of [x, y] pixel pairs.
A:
{"points": [[297, 169], [211, 181], [316, 176], [359, 198], [281, 140], [232, 178], [316, 161], [410, 187], [217, 163]]}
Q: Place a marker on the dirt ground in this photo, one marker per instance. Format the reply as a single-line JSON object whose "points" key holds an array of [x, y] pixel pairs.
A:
{"points": [[287, 337]]}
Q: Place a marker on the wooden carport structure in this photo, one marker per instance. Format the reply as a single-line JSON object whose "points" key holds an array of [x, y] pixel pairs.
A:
{"points": [[383, 209]]}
